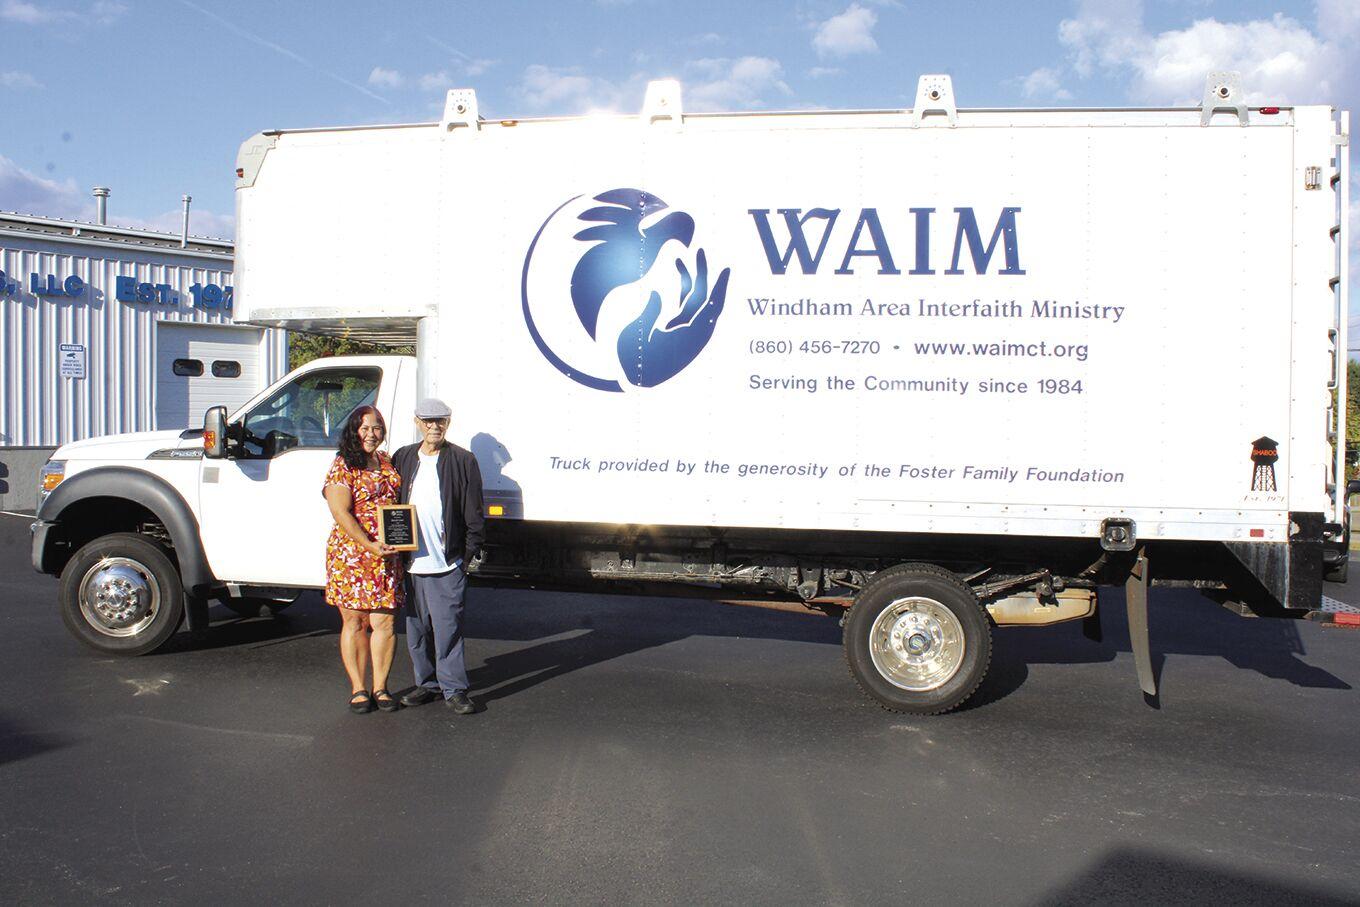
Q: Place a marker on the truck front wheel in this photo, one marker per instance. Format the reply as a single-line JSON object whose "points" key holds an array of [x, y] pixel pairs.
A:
{"points": [[916, 639], [122, 595]]}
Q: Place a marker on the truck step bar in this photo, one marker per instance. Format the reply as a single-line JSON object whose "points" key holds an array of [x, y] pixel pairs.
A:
{"points": [[1337, 614]]}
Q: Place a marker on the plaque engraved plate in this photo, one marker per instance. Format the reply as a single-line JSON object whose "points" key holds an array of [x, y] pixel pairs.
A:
{"points": [[397, 526]]}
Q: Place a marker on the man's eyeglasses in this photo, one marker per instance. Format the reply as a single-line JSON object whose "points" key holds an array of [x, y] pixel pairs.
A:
{"points": [[432, 423]]}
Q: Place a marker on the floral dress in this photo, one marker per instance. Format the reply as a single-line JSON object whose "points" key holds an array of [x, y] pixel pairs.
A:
{"points": [[356, 579]]}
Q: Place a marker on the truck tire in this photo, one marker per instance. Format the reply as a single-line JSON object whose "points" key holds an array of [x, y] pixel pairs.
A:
{"points": [[917, 640], [121, 594]]}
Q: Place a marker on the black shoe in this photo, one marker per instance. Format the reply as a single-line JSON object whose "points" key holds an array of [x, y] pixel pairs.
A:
{"points": [[385, 701], [460, 703], [419, 696], [360, 703]]}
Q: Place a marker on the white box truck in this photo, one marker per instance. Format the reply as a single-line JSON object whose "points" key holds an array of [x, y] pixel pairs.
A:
{"points": [[926, 370]]}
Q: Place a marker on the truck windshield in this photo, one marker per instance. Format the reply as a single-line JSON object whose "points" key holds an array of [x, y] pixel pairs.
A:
{"points": [[308, 411]]}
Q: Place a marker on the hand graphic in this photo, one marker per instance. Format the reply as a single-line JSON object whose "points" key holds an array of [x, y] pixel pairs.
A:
{"points": [[650, 355]]}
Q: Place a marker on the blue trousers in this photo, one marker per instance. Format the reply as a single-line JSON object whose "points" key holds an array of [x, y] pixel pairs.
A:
{"points": [[434, 631]]}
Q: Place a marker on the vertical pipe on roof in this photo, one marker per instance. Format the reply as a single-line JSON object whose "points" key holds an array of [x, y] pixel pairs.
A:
{"points": [[101, 203]]}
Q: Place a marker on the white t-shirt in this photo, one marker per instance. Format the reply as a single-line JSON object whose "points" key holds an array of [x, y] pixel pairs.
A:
{"points": [[430, 516]]}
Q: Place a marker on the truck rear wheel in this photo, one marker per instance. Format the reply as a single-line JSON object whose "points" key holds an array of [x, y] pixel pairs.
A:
{"points": [[917, 640], [121, 594]]}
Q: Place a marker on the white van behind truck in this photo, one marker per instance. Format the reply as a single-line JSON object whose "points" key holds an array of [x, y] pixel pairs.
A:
{"points": [[927, 371]]}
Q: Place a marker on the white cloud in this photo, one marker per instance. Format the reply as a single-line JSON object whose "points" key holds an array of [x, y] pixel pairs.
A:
{"points": [[732, 84], [18, 81], [1104, 32], [106, 12], [202, 222], [28, 13], [101, 12], [1280, 59], [847, 34], [28, 193], [718, 83], [441, 80], [475, 67], [1339, 19], [385, 78], [1043, 83], [821, 72], [565, 90], [435, 81]]}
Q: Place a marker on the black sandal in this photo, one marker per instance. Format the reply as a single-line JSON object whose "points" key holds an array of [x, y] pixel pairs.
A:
{"points": [[386, 701], [361, 703]]}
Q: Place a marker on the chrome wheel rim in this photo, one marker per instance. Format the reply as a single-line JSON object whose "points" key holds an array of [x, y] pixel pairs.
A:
{"points": [[119, 597], [917, 644]]}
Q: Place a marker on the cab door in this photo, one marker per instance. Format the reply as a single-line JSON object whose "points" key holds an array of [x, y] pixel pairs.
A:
{"points": [[264, 520]]}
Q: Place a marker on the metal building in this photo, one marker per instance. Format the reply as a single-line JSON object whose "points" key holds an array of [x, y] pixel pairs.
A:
{"points": [[106, 330]]}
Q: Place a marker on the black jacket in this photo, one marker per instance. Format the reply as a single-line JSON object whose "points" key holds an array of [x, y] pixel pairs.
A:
{"points": [[460, 490]]}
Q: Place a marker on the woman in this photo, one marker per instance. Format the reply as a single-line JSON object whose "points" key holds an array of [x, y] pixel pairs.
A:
{"points": [[363, 577]]}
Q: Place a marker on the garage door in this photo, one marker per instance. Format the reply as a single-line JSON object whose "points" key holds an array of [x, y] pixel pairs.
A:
{"points": [[198, 366]]}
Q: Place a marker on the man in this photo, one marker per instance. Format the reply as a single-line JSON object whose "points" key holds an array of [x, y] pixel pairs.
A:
{"points": [[444, 483]]}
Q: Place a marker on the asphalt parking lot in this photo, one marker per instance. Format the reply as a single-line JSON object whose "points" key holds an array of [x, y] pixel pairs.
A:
{"points": [[666, 750]]}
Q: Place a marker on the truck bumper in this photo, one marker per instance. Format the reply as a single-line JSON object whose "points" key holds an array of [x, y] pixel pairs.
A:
{"points": [[1289, 573]]}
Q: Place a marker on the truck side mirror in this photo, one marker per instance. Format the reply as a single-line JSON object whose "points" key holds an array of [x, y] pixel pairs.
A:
{"points": [[215, 433], [1352, 487]]}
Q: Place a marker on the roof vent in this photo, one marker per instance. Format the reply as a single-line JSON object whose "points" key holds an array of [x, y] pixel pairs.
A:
{"points": [[101, 205]]}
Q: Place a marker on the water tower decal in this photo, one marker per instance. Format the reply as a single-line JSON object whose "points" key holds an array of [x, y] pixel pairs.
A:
{"points": [[1264, 454]]}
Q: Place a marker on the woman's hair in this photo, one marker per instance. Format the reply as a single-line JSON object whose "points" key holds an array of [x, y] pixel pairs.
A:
{"points": [[351, 448]]}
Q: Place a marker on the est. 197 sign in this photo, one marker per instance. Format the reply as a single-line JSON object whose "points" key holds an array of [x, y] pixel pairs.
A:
{"points": [[206, 295], [126, 289]]}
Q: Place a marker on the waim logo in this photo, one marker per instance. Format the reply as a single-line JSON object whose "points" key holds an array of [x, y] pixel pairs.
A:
{"points": [[624, 300]]}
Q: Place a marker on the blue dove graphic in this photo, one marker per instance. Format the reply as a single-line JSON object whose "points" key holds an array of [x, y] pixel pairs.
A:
{"points": [[625, 253]]}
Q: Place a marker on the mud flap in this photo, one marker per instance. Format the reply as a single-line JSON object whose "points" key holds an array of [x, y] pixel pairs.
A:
{"points": [[196, 614], [1136, 598]]}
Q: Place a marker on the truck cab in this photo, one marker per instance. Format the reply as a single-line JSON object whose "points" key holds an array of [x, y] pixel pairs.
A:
{"points": [[144, 528]]}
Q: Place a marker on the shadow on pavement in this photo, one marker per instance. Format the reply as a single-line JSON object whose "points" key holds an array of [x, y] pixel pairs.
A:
{"points": [[552, 623], [16, 742], [1133, 876], [1181, 623]]}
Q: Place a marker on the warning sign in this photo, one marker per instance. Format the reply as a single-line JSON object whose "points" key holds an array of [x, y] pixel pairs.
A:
{"points": [[73, 360]]}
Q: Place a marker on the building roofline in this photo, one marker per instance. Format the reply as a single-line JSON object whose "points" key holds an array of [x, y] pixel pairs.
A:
{"points": [[13, 223]]}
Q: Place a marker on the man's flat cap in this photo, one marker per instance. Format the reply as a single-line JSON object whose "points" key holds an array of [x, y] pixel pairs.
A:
{"points": [[433, 408]]}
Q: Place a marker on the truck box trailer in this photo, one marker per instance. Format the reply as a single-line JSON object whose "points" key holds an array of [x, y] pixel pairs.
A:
{"points": [[927, 371]]}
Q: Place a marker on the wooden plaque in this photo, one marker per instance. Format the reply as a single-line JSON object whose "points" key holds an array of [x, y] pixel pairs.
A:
{"points": [[397, 526]]}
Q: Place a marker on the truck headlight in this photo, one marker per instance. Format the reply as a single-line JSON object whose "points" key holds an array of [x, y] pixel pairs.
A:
{"points": [[50, 477]]}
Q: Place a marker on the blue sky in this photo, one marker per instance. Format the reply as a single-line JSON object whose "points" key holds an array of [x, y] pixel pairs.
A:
{"points": [[152, 97]]}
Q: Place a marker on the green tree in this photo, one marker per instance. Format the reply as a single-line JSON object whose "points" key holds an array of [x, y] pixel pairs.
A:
{"points": [[303, 348], [1352, 416]]}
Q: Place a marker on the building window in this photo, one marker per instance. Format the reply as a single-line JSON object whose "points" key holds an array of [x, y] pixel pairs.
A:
{"points": [[187, 368], [226, 368]]}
